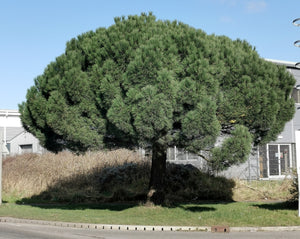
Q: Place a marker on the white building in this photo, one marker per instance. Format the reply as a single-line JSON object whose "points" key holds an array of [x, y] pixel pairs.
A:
{"points": [[14, 136]]}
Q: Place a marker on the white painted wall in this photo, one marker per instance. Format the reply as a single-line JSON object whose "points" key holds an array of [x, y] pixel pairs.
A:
{"points": [[10, 118]]}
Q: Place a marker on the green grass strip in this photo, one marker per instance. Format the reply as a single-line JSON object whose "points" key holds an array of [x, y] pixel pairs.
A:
{"points": [[207, 214]]}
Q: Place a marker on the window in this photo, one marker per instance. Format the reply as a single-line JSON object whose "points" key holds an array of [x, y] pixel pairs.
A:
{"points": [[296, 94], [275, 160], [26, 148], [8, 147]]}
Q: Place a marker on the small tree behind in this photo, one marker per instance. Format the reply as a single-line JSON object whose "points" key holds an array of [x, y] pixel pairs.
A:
{"points": [[148, 83]]}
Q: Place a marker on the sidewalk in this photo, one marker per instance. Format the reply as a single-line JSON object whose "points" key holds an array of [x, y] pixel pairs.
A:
{"points": [[146, 228]]}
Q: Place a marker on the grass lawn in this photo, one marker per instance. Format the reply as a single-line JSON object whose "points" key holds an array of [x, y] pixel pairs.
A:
{"points": [[206, 214]]}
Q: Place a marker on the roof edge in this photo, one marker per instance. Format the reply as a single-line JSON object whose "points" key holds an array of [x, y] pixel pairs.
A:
{"points": [[285, 63], [9, 112]]}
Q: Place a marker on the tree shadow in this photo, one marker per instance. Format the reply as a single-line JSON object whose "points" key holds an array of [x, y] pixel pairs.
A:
{"points": [[102, 206], [125, 186], [197, 208], [286, 205], [185, 182]]}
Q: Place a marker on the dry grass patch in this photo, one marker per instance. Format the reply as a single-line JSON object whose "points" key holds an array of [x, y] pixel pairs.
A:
{"points": [[31, 174], [111, 176], [277, 190], [122, 175]]}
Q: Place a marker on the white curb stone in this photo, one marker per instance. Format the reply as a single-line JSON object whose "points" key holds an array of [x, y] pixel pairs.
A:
{"points": [[140, 227]]}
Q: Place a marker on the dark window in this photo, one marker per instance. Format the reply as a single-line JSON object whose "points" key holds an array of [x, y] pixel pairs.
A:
{"points": [[26, 148], [8, 147], [274, 160], [296, 94]]}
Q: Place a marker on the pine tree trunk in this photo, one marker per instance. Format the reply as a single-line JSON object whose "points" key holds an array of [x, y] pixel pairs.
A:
{"points": [[156, 193]]}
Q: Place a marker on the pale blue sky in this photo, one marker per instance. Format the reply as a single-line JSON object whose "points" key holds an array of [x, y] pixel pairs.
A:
{"points": [[34, 32]]}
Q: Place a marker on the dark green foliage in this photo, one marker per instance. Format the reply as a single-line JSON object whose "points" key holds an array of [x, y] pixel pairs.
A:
{"points": [[188, 183], [234, 149], [142, 82], [294, 190]]}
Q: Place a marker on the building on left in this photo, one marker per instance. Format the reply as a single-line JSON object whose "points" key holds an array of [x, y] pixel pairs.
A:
{"points": [[16, 139]]}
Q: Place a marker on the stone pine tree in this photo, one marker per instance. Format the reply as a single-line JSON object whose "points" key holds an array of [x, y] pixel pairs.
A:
{"points": [[155, 84]]}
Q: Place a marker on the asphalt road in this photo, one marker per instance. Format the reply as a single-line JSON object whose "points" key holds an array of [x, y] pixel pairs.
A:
{"points": [[32, 231]]}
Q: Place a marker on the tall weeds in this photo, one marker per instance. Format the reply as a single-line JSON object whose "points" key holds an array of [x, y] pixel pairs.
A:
{"points": [[121, 175], [30, 174]]}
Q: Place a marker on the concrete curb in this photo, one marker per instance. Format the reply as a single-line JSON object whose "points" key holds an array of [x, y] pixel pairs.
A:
{"points": [[143, 228], [104, 226]]}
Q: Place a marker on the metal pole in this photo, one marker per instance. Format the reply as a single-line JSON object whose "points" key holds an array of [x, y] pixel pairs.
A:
{"points": [[296, 22], [297, 137]]}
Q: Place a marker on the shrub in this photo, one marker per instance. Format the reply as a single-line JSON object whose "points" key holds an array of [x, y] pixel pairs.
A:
{"points": [[294, 190], [188, 183]]}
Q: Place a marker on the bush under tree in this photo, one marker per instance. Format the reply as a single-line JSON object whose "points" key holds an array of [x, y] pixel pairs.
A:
{"points": [[294, 190], [154, 84]]}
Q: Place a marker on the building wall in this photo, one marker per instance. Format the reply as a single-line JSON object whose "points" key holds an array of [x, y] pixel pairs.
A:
{"points": [[250, 170], [10, 118], [11, 132], [10, 122], [16, 139], [179, 156], [20, 144], [296, 119]]}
